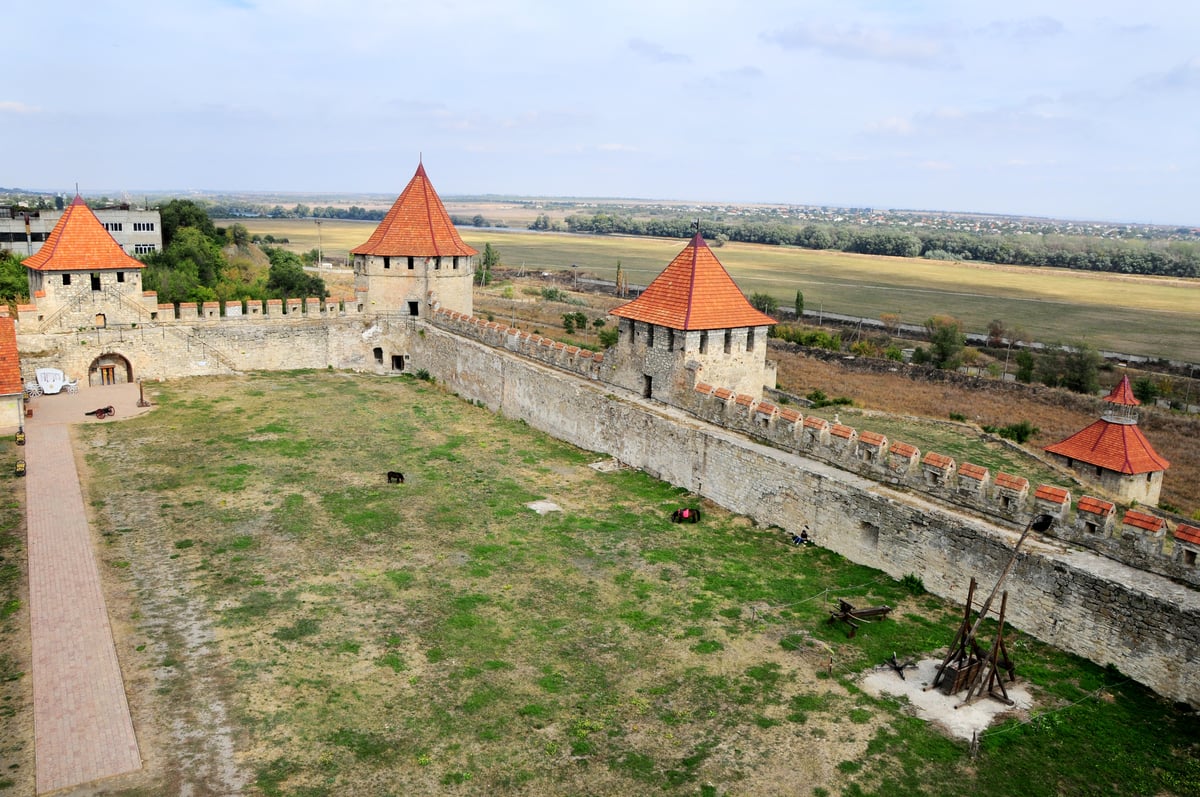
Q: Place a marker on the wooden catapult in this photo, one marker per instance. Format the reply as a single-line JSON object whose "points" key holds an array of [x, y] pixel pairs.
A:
{"points": [[967, 666]]}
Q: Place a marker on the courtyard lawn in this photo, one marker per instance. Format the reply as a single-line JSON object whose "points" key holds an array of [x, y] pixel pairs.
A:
{"points": [[290, 623]]}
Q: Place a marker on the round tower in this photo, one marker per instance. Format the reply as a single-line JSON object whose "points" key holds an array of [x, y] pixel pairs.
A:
{"points": [[415, 259]]}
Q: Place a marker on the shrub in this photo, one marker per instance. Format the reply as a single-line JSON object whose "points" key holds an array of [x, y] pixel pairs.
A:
{"points": [[1017, 432]]}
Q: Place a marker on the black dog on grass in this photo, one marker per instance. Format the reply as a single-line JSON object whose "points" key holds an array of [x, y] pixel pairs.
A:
{"points": [[395, 477]]}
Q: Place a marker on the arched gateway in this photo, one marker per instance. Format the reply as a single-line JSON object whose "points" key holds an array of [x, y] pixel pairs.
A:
{"points": [[109, 369]]}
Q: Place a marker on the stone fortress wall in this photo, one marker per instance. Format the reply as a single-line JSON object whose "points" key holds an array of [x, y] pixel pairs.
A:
{"points": [[1145, 624], [877, 502]]}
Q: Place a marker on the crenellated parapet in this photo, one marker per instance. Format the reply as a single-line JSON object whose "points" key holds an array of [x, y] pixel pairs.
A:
{"points": [[1139, 539], [537, 347]]}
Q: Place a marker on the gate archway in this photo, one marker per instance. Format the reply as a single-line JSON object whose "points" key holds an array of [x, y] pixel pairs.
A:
{"points": [[109, 369]]}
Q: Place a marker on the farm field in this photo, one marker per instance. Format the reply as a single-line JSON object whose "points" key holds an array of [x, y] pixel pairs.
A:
{"points": [[1147, 316], [291, 624]]}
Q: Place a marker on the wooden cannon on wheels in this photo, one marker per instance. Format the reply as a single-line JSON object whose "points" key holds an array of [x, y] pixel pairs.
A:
{"points": [[967, 665]]}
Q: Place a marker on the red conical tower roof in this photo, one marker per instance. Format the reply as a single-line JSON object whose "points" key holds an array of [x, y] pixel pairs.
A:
{"points": [[79, 242], [1114, 442], [694, 292], [1123, 394], [416, 226], [1119, 447]]}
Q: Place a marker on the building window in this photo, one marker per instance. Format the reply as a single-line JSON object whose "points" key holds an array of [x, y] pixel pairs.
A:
{"points": [[1090, 527], [120, 276], [397, 362], [387, 261], [411, 263], [670, 339], [649, 336], [143, 226], [66, 279], [95, 282], [728, 341], [437, 262], [456, 261], [378, 352], [141, 249], [1189, 558], [412, 308], [749, 340], [704, 342], [1098, 472], [113, 226]]}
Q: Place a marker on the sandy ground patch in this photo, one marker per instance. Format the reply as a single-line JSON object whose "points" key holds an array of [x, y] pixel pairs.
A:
{"points": [[939, 709]]}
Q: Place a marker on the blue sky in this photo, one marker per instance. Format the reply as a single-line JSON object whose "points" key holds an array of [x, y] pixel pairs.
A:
{"points": [[1085, 110]]}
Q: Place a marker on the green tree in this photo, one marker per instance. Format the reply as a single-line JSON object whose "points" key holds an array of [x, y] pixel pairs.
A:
{"points": [[14, 282], [1144, 390], [946, 341], [1025, 366], [287, 277], [488, 263], [182, 213], [764, 303], [799, 305], [238, 235], [1081, 369]]}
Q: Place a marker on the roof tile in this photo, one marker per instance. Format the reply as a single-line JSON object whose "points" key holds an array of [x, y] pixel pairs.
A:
{"points": [[79, 242], [939, 461], [872, 439], [416, 226], [1143, 521], [1047, 492], [10, 360], [842, 430], [1011, 482], [905, 450], [972, 471], [694, 292], [1187, 533], [1119, 447], [1123, 394], [1095, 506]]}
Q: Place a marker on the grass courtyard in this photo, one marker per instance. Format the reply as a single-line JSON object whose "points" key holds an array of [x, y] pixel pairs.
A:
{"points": [[290, 623]]}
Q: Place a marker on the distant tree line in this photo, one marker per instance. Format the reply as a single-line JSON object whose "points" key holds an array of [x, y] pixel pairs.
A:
{"points": [[229, 210], [1163, 258]]}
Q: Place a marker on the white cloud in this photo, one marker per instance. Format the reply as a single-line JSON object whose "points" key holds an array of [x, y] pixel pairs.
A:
{"points": [[858, 42], [18, 107], [655, 52]]}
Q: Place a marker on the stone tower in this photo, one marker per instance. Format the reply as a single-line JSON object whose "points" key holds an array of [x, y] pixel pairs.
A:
{"points": [[1114, 454], [415, 259], [691, 324], [81, 277]]}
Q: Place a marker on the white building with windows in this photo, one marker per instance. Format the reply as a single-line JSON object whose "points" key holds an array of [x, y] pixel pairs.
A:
{"points": [[136, 231]]}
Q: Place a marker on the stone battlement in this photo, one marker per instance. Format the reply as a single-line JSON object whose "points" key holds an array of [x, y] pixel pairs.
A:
{"points": [[128, 311], [1138, 539], [1091, 522], [547, 350]]}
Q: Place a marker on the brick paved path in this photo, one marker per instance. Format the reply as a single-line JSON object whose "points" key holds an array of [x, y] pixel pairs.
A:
{"points": [[82, 727]]}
